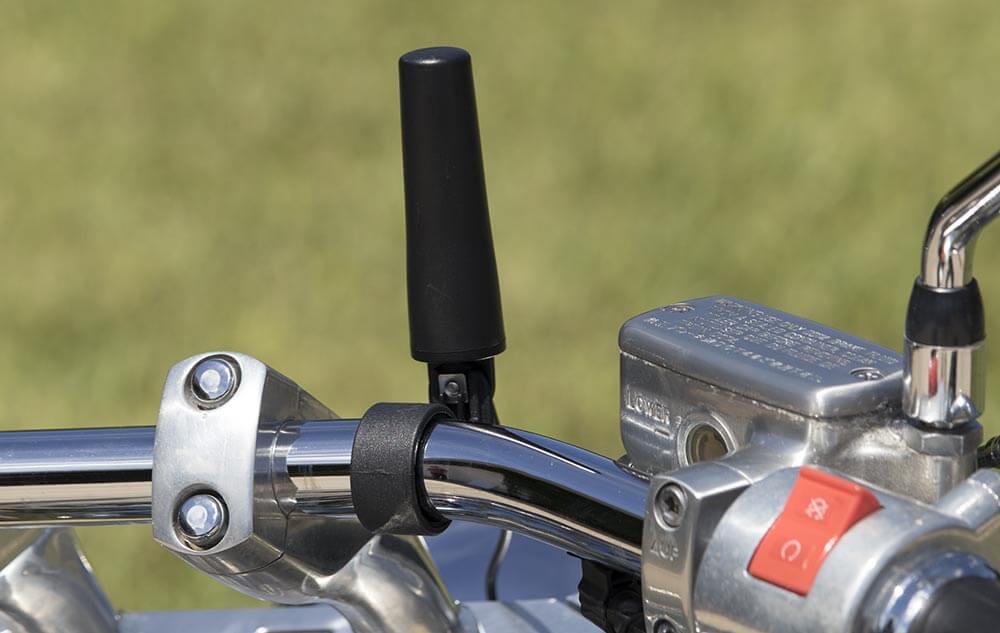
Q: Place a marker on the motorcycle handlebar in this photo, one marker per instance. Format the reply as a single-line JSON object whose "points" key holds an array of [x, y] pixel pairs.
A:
{"points": [[553, 491]]}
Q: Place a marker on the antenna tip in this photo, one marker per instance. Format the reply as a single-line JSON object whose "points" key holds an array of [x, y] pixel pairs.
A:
{"points": [[436, 56]]}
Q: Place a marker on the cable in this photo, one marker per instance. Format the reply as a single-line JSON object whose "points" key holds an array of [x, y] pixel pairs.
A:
{"points": [[499, 553], [988, 455]]}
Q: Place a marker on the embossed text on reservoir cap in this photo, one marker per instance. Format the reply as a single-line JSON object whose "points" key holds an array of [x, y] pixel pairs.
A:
{"points": [[767, 355]]}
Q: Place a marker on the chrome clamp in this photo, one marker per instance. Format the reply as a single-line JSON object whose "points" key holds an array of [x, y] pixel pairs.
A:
{"points": [[223, 501]]}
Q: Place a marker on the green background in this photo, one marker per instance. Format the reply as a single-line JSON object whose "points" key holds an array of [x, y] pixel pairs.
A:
{"points": [[184, 177]]}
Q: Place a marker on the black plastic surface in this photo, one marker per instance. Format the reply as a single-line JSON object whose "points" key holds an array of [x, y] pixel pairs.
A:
{"points": [[386, 486], [452, 284], [966, 605], [477, 406], [612, 599], [951, 317]]}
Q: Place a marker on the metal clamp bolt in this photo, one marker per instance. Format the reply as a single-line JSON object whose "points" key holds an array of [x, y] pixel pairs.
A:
{"points": [[453, 388], [671, 505], [201, 520], [213, 381]]}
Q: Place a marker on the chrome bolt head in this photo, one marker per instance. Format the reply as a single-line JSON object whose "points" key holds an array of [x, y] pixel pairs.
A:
{"points": [[202, 520], [213, 381], [671, 503]]}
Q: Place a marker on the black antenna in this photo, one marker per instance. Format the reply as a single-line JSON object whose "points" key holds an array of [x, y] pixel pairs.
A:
{"points": [[456, 324]]}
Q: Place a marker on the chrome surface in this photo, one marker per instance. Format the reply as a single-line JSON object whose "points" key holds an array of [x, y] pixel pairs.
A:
{"points": [[237, 452], [763, 354], [47, 586], [534, 485], [665, 410], [564, 495], [904, 597], [201, 520], [392, 585], [957, 220], [944, 387], [319, 467], [231, 450], [76, 477], [672, 550], [975, 502], [530, 616], [317, 618], [213, 380], [103, 476], [957, 445], [522, 616], [856, 572], [556, 492]]}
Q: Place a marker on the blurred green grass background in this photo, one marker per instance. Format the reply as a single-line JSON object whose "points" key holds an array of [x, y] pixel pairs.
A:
{"points": [[187, 176]]}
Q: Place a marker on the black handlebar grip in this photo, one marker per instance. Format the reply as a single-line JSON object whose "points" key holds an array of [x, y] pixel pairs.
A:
{"points": [[452, 285]]}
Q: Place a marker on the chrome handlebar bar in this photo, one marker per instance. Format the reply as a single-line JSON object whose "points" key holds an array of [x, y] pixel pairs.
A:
{"points": [[574, 499]]}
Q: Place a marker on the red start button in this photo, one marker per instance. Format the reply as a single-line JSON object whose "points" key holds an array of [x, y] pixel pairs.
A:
{"points": [[819, 511]]}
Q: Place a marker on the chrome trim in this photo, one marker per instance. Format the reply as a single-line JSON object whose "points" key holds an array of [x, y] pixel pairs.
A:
{"points": [[957, 220], [76, 477], [556, 492], [944, 387], [48, 586], [319, 465], [553, 491], [904, 597]]}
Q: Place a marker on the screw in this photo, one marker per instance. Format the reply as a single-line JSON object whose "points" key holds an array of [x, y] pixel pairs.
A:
{"points": [[671, 504], [664, 626], [452, 389], [201, 520], [680, 307], [867, 373], [213, 381]]}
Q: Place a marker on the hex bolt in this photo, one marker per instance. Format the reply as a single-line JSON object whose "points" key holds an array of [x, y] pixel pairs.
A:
{"points": [[213, 381], [202, 520], [671, 502]]}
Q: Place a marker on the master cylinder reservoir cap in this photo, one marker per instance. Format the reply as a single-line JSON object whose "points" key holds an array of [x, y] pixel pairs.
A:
{"points": [[765, 355], [945, 324]]}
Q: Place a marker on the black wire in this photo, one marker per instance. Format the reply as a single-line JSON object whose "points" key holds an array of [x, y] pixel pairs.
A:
{"points": [[988, 455], [499, 553]]}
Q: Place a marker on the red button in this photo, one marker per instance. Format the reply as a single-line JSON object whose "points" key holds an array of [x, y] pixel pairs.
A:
{"points": [[820, 509]]}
